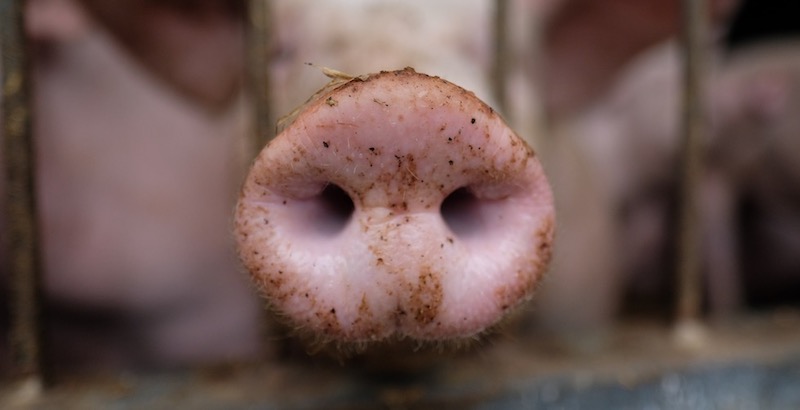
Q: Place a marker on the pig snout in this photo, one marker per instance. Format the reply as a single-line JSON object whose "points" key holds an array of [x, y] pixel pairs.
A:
{"points": [[396, 205]]}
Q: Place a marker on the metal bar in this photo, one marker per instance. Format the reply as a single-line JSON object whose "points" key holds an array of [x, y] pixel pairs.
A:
{"points": [[500, 63], [20, 202], [259, 49], [689, 279], [260, 42]]}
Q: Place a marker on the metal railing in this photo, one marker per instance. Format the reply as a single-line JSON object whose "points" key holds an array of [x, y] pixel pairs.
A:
{"points": [[690, 282], [22, 264]]}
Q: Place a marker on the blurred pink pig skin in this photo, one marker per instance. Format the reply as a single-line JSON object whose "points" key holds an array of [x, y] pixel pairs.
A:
{"points": [[363, 36], [137, 179]]}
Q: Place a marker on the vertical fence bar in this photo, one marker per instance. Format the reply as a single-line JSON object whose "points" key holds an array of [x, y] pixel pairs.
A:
{"points": [[259, 50], [500, 62], [689, 279], [20, 201], [259, 43]]}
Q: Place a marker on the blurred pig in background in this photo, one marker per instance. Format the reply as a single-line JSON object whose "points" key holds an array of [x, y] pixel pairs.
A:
{"points": [[751, 209], [625, 133], [141, 127], [756, 181], [611, 94]]}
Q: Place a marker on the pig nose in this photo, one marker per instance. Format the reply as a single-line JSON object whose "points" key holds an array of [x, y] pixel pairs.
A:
{"points": [[396, 205]]}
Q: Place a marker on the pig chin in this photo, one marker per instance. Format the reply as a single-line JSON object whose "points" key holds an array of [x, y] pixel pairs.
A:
{"points": [[395, 206]]}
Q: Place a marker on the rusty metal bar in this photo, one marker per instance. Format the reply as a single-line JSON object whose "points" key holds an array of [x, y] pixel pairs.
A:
{"points": [[259, 49], [260, 43], [689, 279], [20, 201], [500, 62]]}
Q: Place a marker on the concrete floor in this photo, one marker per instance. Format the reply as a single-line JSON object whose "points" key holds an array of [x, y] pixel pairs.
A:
{"points": [[752, 363]]}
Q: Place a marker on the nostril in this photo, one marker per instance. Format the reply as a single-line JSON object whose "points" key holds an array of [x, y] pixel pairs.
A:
{"points": [[334, 209], [461, 212]]}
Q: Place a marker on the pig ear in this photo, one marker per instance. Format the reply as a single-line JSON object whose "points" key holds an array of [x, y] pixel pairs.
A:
{"points": [[587, 43], [55, 20], [196, 47]]}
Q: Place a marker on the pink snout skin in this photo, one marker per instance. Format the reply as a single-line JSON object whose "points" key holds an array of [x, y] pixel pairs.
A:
{"points": [[395, 206]]}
